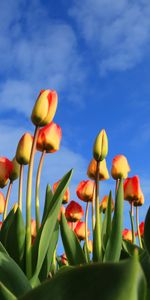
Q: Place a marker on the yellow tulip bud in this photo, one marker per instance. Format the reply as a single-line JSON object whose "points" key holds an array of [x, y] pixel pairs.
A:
{"points": [[16, 170], [100, 148], [103, 171], [44, 108], [24, 149]]}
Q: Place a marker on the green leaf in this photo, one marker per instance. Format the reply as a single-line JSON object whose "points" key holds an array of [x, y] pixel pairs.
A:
{"points": [[104, 281], [73, 249], [145, 263], [5, 294], [5, 227], [12, 276], [16, 237], [107, 225], [48, 198], [44, 236], [147, 231], [49, 256], [114, 244]]}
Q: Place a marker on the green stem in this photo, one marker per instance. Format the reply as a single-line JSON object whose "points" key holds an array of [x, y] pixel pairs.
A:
{"points": [[97, 234], [132, 222], [93, 209], [116, 189], [137, 225], [7, 199], [86, 231], [20, 187], [37, 203], [28, 206]]}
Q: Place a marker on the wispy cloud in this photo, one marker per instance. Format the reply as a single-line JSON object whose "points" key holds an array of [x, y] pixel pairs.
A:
{"points": [[117, 31]]}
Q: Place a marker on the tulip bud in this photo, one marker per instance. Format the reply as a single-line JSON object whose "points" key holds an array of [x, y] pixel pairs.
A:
{"points": [[80, 230], [74, 212], [66, 195], [2, 203], [15, 171], [49, 138], [6, 167], [104, 203], [85, 190], [127, 235], [120, 167], [140, 201], [100, 148], [33, 228], [141, 228], [103, 172], [24, 149], [132, 189], [44, 108]]}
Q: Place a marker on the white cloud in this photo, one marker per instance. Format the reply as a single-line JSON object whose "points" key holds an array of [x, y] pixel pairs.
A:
{"points": [[118, 31]]}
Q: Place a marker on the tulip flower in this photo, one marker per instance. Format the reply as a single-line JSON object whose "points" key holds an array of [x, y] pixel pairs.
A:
{"points": [[141, 228], [49, 138], [45, 108], [132, 189], [127, 235], [103, 171], [66, 195], [64, 260], [6, 168], [23, 152], [140, 201], [100, 148], [85, 190], [120, 167], [15, 171], [104, 203], [1, 223], [74, 212], [33, 228], [2, 203], [80, 230]]}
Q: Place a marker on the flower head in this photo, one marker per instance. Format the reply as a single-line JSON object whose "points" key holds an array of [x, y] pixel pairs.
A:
{"points": [[132, 189], [66, 195], [104, 203], [74, 211], [120, 167], [85, 190], [80, 230], [100, 148], [49, 138], [24, 149], [2, 202], [103, 171], [127, 235], [6, 168], [15, 171]]}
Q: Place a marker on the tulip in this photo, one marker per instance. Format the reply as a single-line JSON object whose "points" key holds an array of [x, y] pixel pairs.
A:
{"points": [[100, 148], [120, 167], [64, 260], [132, 189], [62, 210], [127, 235], [72, 225], [6, 168], [80, 230], [15, 171], [103, 171], [1, 223], [24, 149], [104, 203], [141, 228], [66, 195], [140, 201], [49, 138], [74, 212], [85, 190], [33, 228], [44, 108], [2, 203], [90, 246]]}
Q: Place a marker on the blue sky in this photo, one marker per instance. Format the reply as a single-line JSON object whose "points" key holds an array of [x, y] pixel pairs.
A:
{"points": [[95, 53]]}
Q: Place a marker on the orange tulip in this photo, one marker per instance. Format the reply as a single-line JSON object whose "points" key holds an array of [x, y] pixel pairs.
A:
{"points": [[24, 149], [100, 148], [141, 228], [127, 235], [45, 108], [80, 230], [6, 168], [120, 167], [132, 189], [103, 172], [66, 195], [104, 203], [74, 212], [85, 190], [33, 228], [49, 138], [2, 203]]}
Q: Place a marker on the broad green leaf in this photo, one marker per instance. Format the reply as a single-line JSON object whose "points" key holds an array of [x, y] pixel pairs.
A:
{"points": [[3, 250], [16, 237], [101, 281], [145, 263], [73, 249], [12, 276], [5, 227], [48, 198], [5, 294], [147, 231], [107, 225], [44, 236], [49, 256], [114, 244]]}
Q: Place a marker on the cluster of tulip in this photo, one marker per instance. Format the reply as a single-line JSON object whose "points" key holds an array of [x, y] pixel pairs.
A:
{"points": [[28, 249]]}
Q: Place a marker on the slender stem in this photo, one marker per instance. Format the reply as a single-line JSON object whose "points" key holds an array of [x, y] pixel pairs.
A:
{"points": [[7, 199], [28, 206], [116, 189], [97, 224], [20, 187], [37, 202], [132, 222], [137, 225], [86, 230], [93, 209]]}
